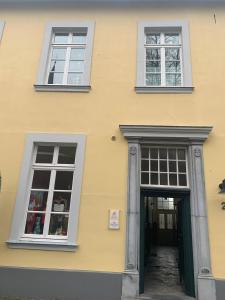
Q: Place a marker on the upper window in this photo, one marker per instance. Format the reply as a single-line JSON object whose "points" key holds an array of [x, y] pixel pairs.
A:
{"points": [[47, 204], [163, 58], [66, 57], [166, 167]]}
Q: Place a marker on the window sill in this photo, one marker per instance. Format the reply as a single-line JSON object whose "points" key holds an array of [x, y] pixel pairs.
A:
{"points": [[43, 245], [164, 90], [62, 88]]}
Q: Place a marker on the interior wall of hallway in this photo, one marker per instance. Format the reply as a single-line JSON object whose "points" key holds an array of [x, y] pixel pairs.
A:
{"points": [[112, 101]]}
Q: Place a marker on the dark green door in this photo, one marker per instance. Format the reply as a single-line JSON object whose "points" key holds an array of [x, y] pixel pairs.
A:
{"points": [[142, 245], [186, 267]]}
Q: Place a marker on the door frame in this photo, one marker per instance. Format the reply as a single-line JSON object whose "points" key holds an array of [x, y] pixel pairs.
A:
{"points": [[192, 137]]}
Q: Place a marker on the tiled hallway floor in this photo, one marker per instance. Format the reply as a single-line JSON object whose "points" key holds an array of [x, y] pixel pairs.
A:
{"points": [[162, 277]]}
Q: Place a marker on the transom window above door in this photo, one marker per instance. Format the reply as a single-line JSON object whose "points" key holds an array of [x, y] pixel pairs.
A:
{"points": [[163, 59], [164, 166]]}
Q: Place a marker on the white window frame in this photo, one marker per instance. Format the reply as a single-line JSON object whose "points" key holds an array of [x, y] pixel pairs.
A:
{"points": [[55, 27], [171, 27], [17, 237], [2, 25]]}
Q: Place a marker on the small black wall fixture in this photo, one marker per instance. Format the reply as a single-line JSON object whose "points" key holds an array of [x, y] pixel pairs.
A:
{"points": [[222, 191]]}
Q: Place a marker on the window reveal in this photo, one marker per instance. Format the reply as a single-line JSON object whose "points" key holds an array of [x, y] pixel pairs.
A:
{"points": [[163, 64], [48, 208]]}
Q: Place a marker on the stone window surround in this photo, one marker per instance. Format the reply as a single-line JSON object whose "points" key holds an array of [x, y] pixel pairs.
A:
{"points": [[51, 27], [193, 138], [183, 27], [2, 24], [70, 244]]}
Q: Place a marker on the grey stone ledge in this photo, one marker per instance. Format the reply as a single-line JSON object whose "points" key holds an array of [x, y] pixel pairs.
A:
{"points": [[62, 88], [180, 133], [164, 90], [42, 245]]}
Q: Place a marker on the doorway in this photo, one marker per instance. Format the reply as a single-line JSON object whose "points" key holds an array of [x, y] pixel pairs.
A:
{"points": [[166, 254]]}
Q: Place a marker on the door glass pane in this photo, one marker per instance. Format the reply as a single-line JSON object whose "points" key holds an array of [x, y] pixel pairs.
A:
{"points": [[38, 200], [35, 223], [41, 179], [63, 180], [77, 54], [66, 155], [58, 224], [161, 221], [169, 221], [44, 154], [61, 38], [61, 201]]}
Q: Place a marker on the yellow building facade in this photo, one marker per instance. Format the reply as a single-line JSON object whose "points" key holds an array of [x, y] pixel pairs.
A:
{"points": [[100, 111]]}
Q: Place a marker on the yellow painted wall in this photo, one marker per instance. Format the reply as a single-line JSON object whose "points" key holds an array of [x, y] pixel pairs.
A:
{"points": [[98, 114]]}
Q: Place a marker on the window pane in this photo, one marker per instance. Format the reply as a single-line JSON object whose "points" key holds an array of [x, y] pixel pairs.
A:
{"points": [[79, 38], [172, 38], [172, 53], [74, 78], [58, 53], [163, 165], [66, 155], [182, 166], [145, 165], [153, 54], [58, 224], [61, 38], [154, 178], [41, 179], [181, 154], [77, 54], [154, 165], [172, 153], [63, 180], [38, 201], [61, 202], [144, 152], [173, 79], [172, 166], [55, 78], [76, 66], [35, 223], [153, 66], [173, 179], [144, 178], [154, 153], [182, 180], [173, 66], [44, 154], [153, 79], [163, 153], [163, 179], [153, 39], [57, 65]]}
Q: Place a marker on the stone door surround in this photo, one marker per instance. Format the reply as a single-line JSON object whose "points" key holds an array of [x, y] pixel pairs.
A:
{"points": [[193, 138]]}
